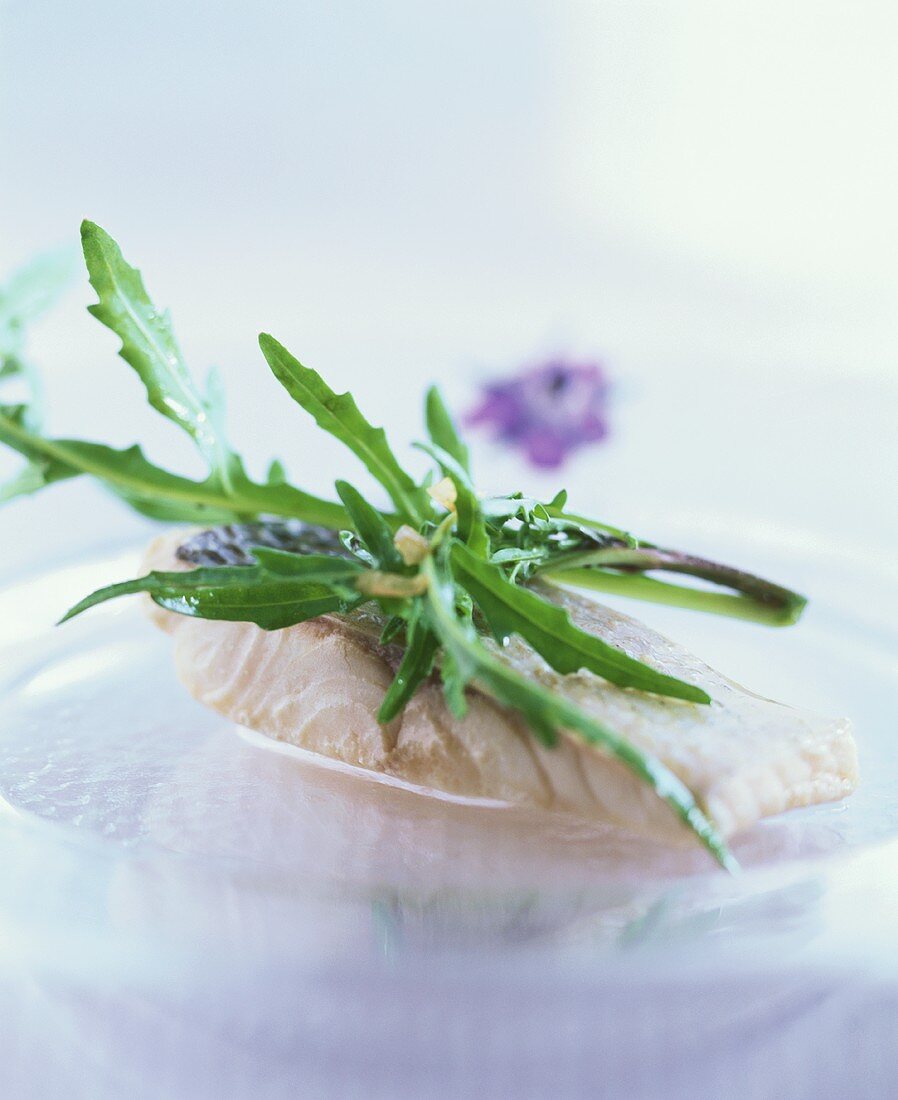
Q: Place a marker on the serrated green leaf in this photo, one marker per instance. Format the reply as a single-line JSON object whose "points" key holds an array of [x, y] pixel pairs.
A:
{"points": [[276, 474], [150, 347], [511, 609], [160, 494], [27, 294], [272, 594], [442, 430], [339, 415], [370, 526]]}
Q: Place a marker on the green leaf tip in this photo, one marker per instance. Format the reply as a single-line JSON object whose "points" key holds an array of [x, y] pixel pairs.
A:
{"points": [[338, 414], [442, 430]]}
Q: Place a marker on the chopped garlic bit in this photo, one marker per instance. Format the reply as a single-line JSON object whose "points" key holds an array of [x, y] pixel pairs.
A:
{"points": [[445, 493], [412, 546]]}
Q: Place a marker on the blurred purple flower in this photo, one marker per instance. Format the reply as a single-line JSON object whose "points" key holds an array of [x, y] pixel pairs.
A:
{"points": [[547, 411]]}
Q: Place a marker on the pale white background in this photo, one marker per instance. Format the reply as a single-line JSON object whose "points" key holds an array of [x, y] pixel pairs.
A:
{"points": [[700, 194]]}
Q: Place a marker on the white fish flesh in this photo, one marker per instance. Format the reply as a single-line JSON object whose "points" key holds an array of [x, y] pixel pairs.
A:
{"points": [[318, 685]]}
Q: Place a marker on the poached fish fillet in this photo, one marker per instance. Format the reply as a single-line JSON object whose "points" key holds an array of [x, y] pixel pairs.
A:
{"points": [[318, 685]]}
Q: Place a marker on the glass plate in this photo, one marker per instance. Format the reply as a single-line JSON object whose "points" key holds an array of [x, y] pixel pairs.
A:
{"points": [[170, 875]]}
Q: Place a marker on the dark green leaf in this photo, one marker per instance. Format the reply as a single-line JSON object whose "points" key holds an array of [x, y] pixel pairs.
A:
{"points": [[273, 594], [510, 609], [393, 628], [370, 526], [415, 667], [286, 563], [339, 415]]}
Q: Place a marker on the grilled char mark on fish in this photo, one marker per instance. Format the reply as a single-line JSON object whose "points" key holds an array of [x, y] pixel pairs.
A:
{"points": [[232, 543]]}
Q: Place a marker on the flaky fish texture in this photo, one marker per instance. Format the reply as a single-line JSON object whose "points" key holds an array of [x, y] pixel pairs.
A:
{"points": [[318, 685]]}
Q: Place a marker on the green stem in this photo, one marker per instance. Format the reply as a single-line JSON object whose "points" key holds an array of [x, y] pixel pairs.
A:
{"points": [[638, 587], [758, 599], [248, 498]]}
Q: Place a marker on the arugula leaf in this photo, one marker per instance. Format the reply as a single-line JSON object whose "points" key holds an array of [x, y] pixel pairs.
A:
{"points": [[512, 554], [27, 294], [32, 477], [550, 715], [555, 509], [455, 679], [158, 493], [32, 289], [273, 594], [41, 470], [511, 609], [371, 527], [442, 430], [415, 667], [499, 540], [150, 347], [471, 525], [393, 627], [339, 415], [276, 475], [16, 366], [287, 563]]}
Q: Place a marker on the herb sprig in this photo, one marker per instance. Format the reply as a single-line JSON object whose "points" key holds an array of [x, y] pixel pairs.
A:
{"points": [[447, 567], [29, 293]]}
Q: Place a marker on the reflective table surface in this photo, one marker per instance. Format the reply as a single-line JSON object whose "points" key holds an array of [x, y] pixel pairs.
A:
{"points": [[190, 908]]}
